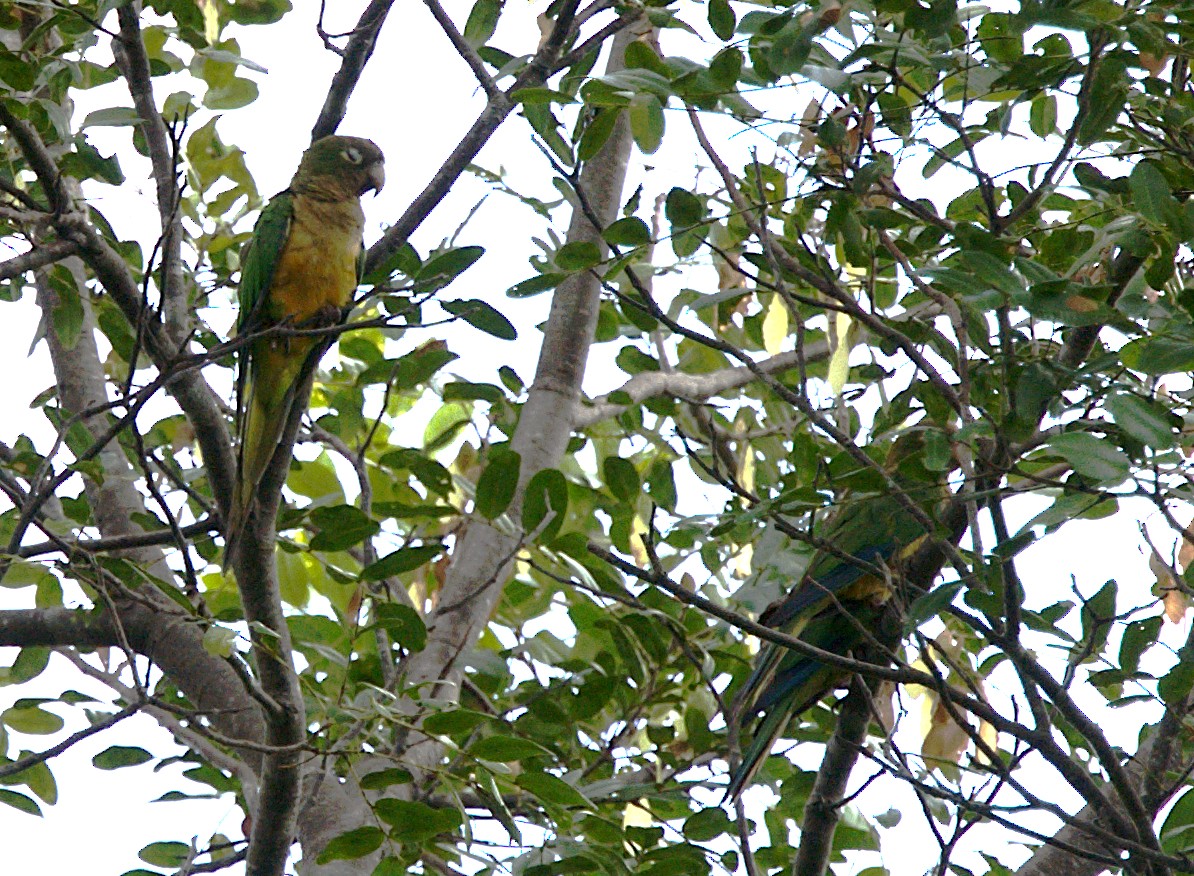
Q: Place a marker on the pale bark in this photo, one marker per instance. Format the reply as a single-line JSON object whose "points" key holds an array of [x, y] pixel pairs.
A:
{"points": [[482, 559], [153, 625]]}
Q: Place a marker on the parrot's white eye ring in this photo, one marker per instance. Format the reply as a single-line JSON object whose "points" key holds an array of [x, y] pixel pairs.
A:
{"points": [[352, 154]]}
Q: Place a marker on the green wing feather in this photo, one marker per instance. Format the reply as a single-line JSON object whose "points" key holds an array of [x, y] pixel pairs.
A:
{"points": [[259, 260], [260, 257]]}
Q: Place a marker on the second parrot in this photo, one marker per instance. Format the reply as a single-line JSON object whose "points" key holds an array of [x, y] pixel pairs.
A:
{"points": [[837, 606]]}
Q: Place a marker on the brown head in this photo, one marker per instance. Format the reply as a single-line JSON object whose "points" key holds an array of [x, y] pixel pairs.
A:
{"points": [[340, 168]]}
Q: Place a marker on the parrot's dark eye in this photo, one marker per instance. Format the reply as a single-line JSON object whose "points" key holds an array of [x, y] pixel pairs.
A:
{"points": [[352, 154]]}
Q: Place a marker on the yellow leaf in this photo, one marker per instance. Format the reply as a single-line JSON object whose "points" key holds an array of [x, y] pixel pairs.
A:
{"points": [[638, 529], [1173, 597], [637, 814], [775, 325], [728, 275], [746, 468], [945, 742], [917, 690], [1185, 550], [884, 706], [808, 123], [1176, 602], [989, 735], [839, 363], [742, 562]]}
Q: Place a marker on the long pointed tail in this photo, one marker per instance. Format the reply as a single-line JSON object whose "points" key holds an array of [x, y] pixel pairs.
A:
{"points": [[263, 419]]}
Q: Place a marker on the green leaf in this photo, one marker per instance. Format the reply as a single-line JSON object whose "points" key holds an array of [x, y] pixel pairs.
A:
{"points": [[506, 748], [31, 720], [721, 19], [1158, 354], [622, 478], [1098, 615], [646, 122], [790, 48], [165, 854], [931, 605], [535, 285], [1177, 832], [315, 479], [390, 866], [405, 559], [467, 391], [455, 722], [482, 22], [24, 573], [1094, 457], [546, 493], [541, 95], [630, 231], [19, 801], [355, 844], [340, 527], [404, 260], [1150, 193], [403, 625], [600, 125], [445, 424], [1138, 637], [412, 822], [383, 779], [1042, 115], [726, 67], [30, 662], [232, 94], [551, 789], [447, 266], [118, 756], [482, 316], [578, 255], [37, 778], [708, 824], [683, 209], [68, 315], [1002, 37], [1108, 94], [1176, 685], [497, 484], [18, 74], [1144, 419], [112, 116]]}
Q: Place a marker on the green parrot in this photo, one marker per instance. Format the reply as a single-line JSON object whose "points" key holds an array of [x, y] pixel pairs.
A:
{"points": [[874, 530], [299, 269]]}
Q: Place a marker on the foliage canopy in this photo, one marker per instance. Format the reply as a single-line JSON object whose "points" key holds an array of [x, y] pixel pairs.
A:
{"points": [[501, 621]]}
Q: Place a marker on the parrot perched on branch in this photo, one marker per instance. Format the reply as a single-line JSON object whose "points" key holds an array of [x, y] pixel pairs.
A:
{"points": [[299, 270], [837, 606]]}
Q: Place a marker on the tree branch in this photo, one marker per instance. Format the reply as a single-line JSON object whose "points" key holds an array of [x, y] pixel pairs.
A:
{"points": [[354, 58], [9, 770], [538, 69], [129, 51], [464, 50], [38, 257], [481, 559], [823, 809]]}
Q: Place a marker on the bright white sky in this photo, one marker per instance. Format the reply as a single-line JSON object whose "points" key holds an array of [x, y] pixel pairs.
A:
{"points": [[415, 100]]}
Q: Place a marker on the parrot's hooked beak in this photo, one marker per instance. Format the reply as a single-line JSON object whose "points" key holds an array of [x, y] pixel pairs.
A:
{"points": [[376, 177]]}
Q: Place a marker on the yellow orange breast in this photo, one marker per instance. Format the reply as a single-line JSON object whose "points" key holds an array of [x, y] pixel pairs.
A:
{"points": [[318, 264]]}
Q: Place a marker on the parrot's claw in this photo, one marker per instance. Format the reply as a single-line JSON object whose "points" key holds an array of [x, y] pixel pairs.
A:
{"points": [[326, 317]]}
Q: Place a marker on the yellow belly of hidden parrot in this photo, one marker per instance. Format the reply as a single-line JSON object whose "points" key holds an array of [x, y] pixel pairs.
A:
{"points": [[315, 277]]}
